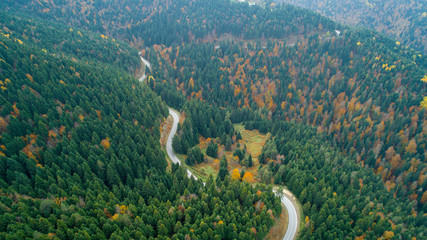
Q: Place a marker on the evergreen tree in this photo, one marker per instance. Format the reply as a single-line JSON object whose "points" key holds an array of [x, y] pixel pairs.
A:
{"points": [[250, 163], [223, 170], [212, 149]]}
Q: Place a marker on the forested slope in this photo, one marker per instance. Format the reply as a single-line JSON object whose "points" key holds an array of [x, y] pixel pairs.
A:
{"points": [[167, 22], [340, 198], [80, 155], [330, 168], [360, 90], [343, 107], [402, 20], [62, 40]]}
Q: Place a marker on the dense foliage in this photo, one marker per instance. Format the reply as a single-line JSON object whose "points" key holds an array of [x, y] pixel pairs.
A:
{"points": [[341, 199], [65, 41], [403, 20], [343, 107], [212, 150], [205, 120], [80, 156], [194, 156], [167, 22], [360, 88]]}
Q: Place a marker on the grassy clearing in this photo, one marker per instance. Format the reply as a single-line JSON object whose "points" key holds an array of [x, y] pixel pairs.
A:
{"points": [[202, 171], [253, 140], [206, 171]]}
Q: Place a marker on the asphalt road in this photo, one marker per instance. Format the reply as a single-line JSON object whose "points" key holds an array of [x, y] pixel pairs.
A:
{"points": [[292, 218], [147, 63], [169, 148]]}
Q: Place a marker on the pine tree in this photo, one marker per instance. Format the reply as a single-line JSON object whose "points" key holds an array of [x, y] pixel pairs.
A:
{"points": [[238, 136], [228, 144], [212, 149], [223, 171], [250, 163]]}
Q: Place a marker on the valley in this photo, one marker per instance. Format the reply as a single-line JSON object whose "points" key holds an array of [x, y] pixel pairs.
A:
{"points": [[195, 119]]}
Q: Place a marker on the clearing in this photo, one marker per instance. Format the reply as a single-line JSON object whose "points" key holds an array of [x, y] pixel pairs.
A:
{"points": [[252, 139]]}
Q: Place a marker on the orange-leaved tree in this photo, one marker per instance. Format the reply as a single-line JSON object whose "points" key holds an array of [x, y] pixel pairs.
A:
{"points": [[248, 177]]}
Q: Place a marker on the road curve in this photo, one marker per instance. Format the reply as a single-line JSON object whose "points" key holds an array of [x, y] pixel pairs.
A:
{"points": [[285, 197], [169, 148], [291, 232]]}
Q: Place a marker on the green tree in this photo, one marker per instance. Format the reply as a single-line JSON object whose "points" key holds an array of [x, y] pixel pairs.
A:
{"points": [[223, 171], [212, 149]]}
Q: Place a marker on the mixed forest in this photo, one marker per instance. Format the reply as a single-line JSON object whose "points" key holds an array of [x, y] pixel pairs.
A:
{"points": [[344, 111], [401, 20], [145, 23], [80, 153], [370, 117]]}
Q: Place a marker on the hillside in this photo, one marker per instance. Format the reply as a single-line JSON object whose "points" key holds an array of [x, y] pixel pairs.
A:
{"points": [[341, 107], [401, 20], [145, 23], [329, 83], [80, 154]]}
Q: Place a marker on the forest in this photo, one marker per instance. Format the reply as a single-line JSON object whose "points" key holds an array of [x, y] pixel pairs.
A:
{"points": [[372, 141], [343, 110], [80, 153], [145, 23], [383, 130], [340, 198], [402, 20]]}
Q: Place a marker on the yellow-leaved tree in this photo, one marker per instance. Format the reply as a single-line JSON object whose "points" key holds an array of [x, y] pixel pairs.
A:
{"points": [[235, 175], [388, 234], [412, 146], [105, 143], [424, 103], [3, 124], [29, 77]]}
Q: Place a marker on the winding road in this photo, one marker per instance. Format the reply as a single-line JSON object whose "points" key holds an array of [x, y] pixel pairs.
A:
{"points": [[169, 148], [286, 196]]}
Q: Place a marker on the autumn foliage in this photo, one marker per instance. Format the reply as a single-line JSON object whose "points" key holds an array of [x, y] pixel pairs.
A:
{"points": [[106, 143], [248, 177], [235, 174]]}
